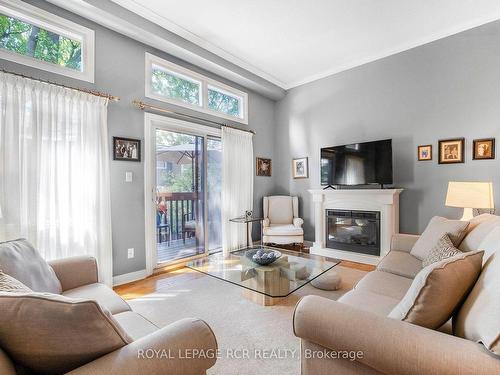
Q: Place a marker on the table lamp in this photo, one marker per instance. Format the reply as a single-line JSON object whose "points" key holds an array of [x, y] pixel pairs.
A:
{"points": [[469, 195]]}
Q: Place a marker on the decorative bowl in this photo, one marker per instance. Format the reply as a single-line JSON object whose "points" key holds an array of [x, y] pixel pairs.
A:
{"points": [[263, 257]]}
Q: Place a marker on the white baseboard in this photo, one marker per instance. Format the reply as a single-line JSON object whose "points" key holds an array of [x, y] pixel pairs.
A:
{"points": [[129, 277]]}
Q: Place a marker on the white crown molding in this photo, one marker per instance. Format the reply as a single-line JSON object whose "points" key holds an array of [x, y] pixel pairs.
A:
{"points": [[169, 25], [403, 47], [102, 13], [107, 19]]}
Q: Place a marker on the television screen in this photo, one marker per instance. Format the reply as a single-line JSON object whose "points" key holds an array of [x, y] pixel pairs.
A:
{"points": [[357, 164]]}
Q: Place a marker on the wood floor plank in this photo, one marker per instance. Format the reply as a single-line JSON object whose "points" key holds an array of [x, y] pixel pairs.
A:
{"points": [[156, 282]]}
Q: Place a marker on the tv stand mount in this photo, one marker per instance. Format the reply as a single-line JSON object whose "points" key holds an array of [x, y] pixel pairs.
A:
{"points": [[329, 187]]}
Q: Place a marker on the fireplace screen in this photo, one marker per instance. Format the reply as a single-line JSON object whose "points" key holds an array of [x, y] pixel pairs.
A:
{"points": [[356, 231]]}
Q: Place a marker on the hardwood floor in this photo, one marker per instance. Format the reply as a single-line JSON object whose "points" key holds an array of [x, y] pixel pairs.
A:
{"points": [[156, 282]]}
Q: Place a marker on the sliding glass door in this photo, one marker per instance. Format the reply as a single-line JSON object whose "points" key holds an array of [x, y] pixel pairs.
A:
{"points": [[186, 191]]}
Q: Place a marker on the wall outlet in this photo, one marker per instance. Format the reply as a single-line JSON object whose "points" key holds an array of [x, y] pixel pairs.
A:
{"points": [[130, 253]]}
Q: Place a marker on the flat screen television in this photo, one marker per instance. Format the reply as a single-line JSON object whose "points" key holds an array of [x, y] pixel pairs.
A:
{"points": [[357, 164]]}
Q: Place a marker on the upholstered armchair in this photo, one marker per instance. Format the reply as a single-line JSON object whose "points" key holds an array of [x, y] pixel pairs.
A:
{"points": [[282, 224]]}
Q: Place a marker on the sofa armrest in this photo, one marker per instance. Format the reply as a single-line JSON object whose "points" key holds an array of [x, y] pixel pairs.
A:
{"points": [[75, 271], [403, 242], [187, 346], [387, 345], [297, 222], [265, 223]]}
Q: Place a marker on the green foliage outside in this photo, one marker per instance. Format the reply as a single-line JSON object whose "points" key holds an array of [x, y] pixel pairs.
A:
{"points": [[181, 179], [175, 87], [223, 103], [29, 40]]}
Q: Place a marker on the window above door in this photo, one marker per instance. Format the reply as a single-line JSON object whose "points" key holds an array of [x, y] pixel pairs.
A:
{"points": [[36, 38], [177, 85]]}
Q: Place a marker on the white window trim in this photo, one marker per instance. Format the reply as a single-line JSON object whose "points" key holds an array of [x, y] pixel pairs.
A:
{"points": [[205, 82], [48, 21]]}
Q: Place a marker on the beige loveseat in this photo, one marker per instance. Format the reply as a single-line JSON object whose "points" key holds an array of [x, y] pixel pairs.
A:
{"points": [[358, 322], [145, 350]]}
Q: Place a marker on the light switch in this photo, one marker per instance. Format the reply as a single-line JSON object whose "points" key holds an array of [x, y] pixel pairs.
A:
{"points": [[130, 253], [128, 176]]}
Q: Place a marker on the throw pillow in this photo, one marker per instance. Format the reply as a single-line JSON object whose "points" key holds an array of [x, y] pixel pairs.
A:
{"points": [[438, 289], [437, 227], [21, 261], [442, 250], [53, 334], [9, 284]]}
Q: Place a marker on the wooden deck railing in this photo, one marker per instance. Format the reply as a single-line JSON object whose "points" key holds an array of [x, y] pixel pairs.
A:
{"points": [[180, 207]]}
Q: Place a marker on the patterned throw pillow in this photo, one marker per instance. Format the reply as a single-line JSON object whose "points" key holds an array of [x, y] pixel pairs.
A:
{"points": [[9, 284], [443, 249]]}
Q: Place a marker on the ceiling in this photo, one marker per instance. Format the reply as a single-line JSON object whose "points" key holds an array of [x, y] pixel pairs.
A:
{"points": [[292, 42]]}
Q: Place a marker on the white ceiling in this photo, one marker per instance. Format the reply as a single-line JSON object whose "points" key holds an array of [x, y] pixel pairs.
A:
{"points": [[291, 42]]}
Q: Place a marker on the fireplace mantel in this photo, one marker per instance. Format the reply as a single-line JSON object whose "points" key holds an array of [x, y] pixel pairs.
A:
{"points": [[386, 201]]}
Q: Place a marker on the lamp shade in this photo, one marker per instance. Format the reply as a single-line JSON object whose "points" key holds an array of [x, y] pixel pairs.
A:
{"points": [[470, 195]]}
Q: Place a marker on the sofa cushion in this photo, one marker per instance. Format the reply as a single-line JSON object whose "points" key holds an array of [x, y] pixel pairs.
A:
{"points": [[438, 289], [280, 209], [101, 293], [478, 318], [479, 227], [489, 243], [384, 283], [135, 324], [368, 301], [21, 261], [50, 333], [400, 263], [443, 249], [9, 284], [437, 227], [283, 230]]}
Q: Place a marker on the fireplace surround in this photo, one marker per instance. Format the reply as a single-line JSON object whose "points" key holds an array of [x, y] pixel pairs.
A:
{"points": [[357, 231], [384, 203]]}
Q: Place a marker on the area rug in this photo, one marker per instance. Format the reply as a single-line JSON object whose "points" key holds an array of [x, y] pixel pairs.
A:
{"points": [[253, 339]]}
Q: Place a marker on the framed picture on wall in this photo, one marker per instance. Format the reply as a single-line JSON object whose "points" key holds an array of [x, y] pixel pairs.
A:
{"points": [[127, 149], [300, 168], [452, 151], [263, 167], [483, 149], [424, 152]]}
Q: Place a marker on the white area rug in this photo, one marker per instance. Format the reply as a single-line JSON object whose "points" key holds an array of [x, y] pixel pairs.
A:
{"points": [[239, 325]]}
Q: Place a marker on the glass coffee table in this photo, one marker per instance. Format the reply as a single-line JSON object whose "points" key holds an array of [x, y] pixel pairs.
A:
{"points": [[265, 285]]}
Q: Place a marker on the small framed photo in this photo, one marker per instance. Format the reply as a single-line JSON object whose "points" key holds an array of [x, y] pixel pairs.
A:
{"points": [[126, 149], [263, 167], [424, 152], [452, 151], [300, 168], [483, 149]]}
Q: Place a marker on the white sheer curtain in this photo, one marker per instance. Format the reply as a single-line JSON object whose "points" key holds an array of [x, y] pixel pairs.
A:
{"points": [[237, 185], [54, 170]]}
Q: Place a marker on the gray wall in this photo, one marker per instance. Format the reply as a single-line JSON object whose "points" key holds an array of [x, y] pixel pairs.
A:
{"points": [[445, 89], [120, 71]]}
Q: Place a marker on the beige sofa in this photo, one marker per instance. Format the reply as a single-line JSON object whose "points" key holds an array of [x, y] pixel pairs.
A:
{"points": [[358, 321], [78, 279]]}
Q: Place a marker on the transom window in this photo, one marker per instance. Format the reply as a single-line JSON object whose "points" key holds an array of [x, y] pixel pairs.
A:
{"points": [[33, 37], [174, 84]]}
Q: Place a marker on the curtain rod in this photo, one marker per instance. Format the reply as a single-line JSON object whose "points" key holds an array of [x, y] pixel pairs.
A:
{"points": [[143, 106], [87, 91]]}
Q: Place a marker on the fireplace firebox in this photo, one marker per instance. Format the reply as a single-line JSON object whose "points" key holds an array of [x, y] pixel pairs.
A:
{"points": [[355, 231]]}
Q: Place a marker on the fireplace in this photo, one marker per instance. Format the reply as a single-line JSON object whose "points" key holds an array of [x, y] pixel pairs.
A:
{"points": [[355, 231]]}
